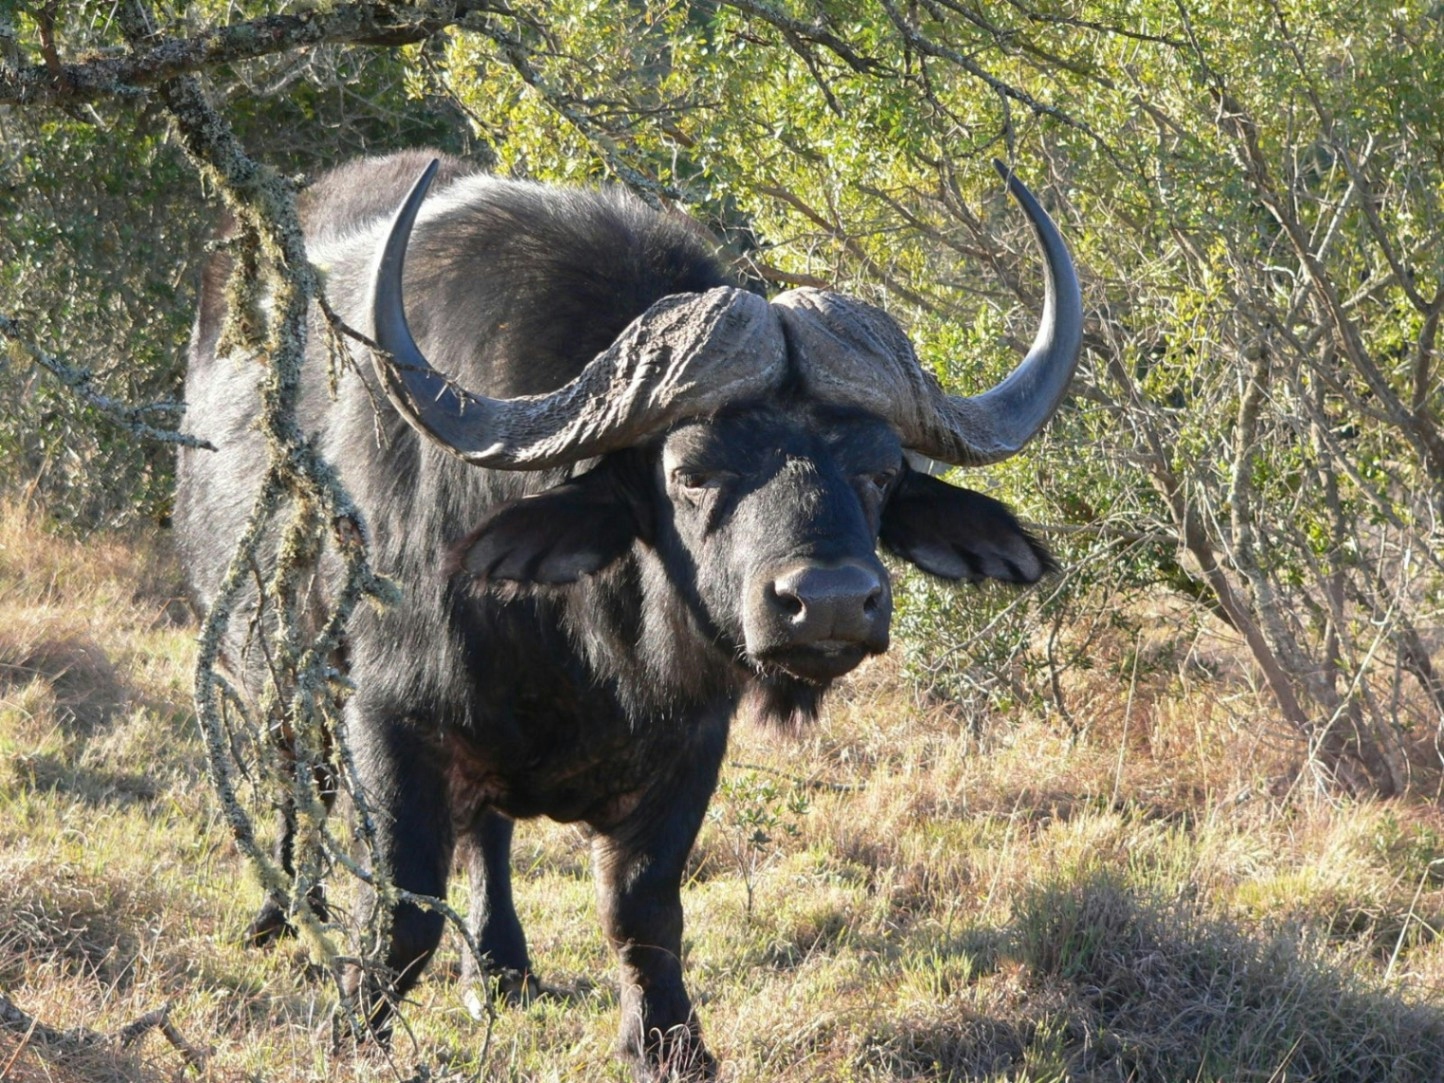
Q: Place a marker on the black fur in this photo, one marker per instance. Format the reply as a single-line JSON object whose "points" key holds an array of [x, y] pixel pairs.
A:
{"points": [[555, 537], [573, 647]]}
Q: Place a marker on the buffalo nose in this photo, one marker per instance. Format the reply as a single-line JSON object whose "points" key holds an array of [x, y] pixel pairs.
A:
{"points": [[841, 602]]}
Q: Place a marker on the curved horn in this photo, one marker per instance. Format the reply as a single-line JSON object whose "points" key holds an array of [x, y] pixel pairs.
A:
{"points": [[1027, 398], [688, 354], [858, 355]]}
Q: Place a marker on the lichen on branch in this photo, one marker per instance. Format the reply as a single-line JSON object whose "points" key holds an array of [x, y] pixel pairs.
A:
{"points": [[162, 59]]}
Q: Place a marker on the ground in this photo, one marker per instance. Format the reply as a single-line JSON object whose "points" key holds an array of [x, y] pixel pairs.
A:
{"points": [[1153, 891]]}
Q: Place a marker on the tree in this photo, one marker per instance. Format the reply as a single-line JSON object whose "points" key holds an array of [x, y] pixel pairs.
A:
{"points": [[1253, 198], [1256, 205]]}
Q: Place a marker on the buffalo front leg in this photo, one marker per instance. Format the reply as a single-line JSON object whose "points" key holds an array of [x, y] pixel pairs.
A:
{"points": [[504, 969], [411, 814], [272, 921], [639, 866]]}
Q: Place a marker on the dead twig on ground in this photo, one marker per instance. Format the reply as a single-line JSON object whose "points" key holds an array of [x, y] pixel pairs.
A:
{"points": [[75, 1039]]}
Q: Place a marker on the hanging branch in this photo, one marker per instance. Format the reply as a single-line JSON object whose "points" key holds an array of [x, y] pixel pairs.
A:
{"points": [[264, 203], [81, 382], [302, 703]]}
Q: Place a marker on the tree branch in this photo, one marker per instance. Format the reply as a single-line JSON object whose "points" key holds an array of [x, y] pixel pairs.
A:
{"points": [[836, 231], [81, 381], [1417, 427], [653, 191], [385, 24], [928, 47], [816, 32], [14, 1018]]}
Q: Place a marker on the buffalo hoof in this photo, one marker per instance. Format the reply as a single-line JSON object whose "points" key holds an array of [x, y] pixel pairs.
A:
{"points": [[366, 1014], [678, 1056], [271, 924], [268, 926], [509, 988], [350, 1029]]}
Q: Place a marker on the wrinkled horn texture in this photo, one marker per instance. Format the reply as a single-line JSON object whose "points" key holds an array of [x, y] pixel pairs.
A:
{"points": [[690, 354], [687, 354], [856, 354]]}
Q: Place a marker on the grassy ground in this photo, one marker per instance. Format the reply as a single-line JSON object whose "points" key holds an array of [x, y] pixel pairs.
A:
{"points": [[1155, 897]]}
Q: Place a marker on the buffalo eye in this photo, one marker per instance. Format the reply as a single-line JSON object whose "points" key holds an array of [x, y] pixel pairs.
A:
{"points": [[875, 486], [695, 485], [880, 480]]}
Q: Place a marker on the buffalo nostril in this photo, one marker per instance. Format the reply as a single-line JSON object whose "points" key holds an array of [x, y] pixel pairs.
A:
{"points": [[786, 599], [828, 601], [831, 612]]}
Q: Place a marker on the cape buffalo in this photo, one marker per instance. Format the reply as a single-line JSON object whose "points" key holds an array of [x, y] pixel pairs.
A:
{"points": [[639, 498]]}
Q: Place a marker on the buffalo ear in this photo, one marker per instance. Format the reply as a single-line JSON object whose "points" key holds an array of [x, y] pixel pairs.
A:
{"points": [[959, 534], [554, 537]]}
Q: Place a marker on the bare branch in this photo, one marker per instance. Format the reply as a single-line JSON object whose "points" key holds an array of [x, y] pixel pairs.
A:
{"points": [[928, 47], [653, 191], [13, 1017], [1368, 202], [778, 277], [816, 32], [836, 231], [1425, 355], [159, 1019], [1049, 18], [386, 24], [1416, 426]]}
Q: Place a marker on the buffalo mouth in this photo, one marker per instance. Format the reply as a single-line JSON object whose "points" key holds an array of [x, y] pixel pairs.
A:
{"points": [[815, 620], [816, 663]]}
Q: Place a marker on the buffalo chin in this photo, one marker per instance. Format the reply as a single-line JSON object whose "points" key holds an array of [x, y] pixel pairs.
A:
{"points": [[779, 702]]}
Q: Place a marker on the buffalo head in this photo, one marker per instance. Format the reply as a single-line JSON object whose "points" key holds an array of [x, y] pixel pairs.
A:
{"points": [[757, 448]]}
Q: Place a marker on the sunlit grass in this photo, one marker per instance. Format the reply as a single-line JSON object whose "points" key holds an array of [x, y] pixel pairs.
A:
{"points": [[1149, 895]]}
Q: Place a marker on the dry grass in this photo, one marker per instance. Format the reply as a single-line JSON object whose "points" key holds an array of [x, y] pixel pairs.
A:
{"points": [[1149, 895]]}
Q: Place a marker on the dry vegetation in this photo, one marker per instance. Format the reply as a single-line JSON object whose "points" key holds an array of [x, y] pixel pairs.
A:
{"points": [[901, 894]]}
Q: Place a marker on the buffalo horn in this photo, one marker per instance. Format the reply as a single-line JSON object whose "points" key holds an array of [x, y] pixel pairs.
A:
{"points": [[686, 355], [859, 356]]}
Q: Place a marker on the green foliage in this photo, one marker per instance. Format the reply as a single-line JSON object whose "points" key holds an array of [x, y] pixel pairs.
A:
{"points": [[752, 813], [105, 229], [1253, 196], [98, 213]]}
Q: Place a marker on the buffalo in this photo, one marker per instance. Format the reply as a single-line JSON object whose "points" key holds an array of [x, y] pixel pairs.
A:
{"points": [[623, 500]]}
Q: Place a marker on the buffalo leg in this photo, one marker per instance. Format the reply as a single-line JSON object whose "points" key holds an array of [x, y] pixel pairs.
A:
{"points": [[271, 922], [414, 839], [493, 919], [639, 866]]}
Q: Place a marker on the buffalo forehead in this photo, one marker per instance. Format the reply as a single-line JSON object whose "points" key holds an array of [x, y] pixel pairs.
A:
{"points": [[749, 433]]}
